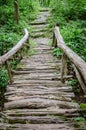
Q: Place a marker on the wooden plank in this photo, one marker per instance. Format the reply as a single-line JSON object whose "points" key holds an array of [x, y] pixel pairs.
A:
{"points": [[80, 79], [64, 68], [41, 112], [36, 120], [37, 103], [9, 72], [66, 126]]}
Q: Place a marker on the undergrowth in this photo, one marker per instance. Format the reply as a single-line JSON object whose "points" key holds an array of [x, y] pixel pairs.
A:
{"points": [[11, 32], [71, 18]]}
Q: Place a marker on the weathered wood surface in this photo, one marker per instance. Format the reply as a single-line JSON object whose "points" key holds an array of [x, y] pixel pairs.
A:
{"points": [[64, 68], [9, 71], [80, 79], [37, 100], [36, 127]]}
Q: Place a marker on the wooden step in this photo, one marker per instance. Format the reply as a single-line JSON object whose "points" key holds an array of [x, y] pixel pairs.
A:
{"points": [[38, 23], [38, 34], [39, 103], [42, 26], [36, 120], [42, 112], [45, 126]]}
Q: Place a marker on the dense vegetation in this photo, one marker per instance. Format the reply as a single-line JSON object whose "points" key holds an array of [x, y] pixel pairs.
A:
{"points": [[10, 30], [71, 17]]}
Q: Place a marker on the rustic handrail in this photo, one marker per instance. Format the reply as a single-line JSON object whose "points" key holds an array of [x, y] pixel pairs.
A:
{"points": [[5, 58], [15, 49], [74, 58]]}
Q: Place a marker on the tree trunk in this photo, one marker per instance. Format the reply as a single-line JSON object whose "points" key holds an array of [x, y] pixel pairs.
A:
{"points": [[16, 11]]}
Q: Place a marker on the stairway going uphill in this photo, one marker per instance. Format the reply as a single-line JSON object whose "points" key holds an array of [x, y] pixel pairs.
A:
{"points": [[37, 100]]}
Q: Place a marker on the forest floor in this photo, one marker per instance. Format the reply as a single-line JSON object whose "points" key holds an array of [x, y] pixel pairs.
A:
{"points": [[37, 100]]}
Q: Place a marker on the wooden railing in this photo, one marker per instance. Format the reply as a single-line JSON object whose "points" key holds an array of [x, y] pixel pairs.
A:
{"points": [[18, 48], [78, 64]]}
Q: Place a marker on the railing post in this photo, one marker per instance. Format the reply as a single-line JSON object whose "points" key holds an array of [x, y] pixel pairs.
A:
{"points": [[64, 68], [79, 77], [54, 44], [27, 44], [21, 53], [9, 71]]}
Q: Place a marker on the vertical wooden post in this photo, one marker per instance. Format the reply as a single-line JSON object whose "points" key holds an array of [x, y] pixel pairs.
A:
{"points": [[79, 77], [28, 42], [2, 49], [16, 12], [64, 68], [9, 71], [54, 44], [21, 53], [53, 40]]}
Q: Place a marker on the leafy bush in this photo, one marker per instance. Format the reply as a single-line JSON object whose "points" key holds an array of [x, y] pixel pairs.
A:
{"points": [[44, 2], [79, 119], [70, 15], [83, 105], [75, 37], [69, 9], [3, 78], [28, 9], [73, 82], [5, 14], [57, 52]]}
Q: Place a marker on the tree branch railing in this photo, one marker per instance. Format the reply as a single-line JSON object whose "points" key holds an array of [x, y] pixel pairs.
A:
{"points": [[78, 64], [4, 59]]}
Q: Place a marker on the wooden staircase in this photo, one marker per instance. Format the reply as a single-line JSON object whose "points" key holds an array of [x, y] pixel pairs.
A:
{"points": [[37, 100]]}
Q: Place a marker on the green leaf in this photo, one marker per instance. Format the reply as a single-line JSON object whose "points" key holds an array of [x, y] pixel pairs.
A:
{"points": [[83, 105], [79, 119]]}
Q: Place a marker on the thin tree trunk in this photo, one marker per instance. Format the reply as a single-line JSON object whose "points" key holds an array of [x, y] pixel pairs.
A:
{"points": [[16, 11]]}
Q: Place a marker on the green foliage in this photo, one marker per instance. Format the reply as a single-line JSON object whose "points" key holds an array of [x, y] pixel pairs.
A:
{"points": [[3, 78], [44, 2], [5, 14], [57, 52], [83, 105], [73, 82], [69, 9], [28, 9], [79, 119], [7, 41], [10, 32], [71, 16], [75, 37]]}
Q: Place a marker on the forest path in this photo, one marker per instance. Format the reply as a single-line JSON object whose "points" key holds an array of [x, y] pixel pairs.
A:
{"points": [[37, 100]]}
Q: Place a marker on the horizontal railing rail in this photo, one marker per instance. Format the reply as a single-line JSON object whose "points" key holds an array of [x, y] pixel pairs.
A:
{"points": [[4, 59], [78, 63]]}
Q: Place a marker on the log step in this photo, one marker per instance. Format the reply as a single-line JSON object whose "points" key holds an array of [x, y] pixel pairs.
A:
{"points": [[36, 120], [51, 111], [38, 34], [37, 127], [37, 103]]}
